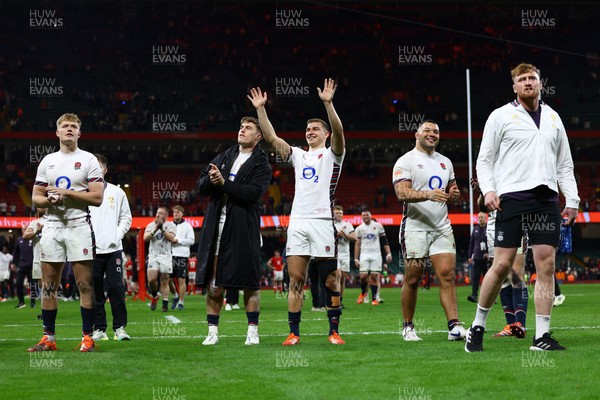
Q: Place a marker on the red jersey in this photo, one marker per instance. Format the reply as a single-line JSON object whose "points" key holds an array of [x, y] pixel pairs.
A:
{"points": [[192, 264], [277, 263], [129, 269]]}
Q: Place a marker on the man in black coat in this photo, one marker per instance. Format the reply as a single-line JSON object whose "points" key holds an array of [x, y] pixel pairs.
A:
{"points": [[478, 254], [23, 259], [229, 247]]}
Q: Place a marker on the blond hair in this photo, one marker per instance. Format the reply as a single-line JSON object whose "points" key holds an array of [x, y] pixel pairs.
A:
{"points": [[68, 117], [522, 69]]}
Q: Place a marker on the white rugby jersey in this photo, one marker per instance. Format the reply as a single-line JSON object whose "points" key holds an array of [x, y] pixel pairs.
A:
{"points": [[425, 172], [317, 173], [36, 238], [5, 260], [159, 245], [71, 171], [369, 237], [343, 243]]}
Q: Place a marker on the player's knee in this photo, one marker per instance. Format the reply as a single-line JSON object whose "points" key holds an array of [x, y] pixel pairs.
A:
{"points": [[85, 287], [515, 279], [297, 279], [502, 267], [412, 281], [447, 277], [331, 283]]}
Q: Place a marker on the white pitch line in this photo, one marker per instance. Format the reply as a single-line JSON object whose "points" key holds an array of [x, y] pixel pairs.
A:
{"points": [[367, 333], [197, 321]]}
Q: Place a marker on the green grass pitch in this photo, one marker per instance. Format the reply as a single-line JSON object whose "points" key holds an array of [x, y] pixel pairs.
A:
{"points": [[165, 360]]}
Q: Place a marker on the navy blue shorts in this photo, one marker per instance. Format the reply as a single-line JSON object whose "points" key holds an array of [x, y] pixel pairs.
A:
{"points": [[540, 220]]}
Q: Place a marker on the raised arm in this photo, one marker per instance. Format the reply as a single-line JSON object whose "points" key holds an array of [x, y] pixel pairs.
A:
{"points": [[338, 143], [259, 99], [30, 232], [204, 185], [170, 233], [150, 232]]}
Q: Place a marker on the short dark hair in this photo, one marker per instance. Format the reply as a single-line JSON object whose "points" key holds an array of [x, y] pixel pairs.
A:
{"points": [[101, 159], [427, 121], [319, 120], [252, 120]]}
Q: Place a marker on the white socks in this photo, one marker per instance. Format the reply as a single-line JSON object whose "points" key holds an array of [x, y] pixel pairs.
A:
{"points": [[481, 316], [542, 325]]}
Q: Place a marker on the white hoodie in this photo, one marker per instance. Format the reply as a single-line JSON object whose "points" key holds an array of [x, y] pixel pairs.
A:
{"points": [[516, 155], [185, 238], [112, 220]]}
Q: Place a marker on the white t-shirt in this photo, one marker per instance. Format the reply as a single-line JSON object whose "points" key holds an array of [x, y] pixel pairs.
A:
{"points": [[425, 172], [317, 173], [36, 238], [5, 260], [369, 237], [343, 243], [159, 245], [71, 171], [237, 164]]}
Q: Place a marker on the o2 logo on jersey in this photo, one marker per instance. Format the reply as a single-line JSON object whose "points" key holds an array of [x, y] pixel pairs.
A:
{"points": [[159, 236], [435, 180], [309, 173], [59, 180], [370, 236]]}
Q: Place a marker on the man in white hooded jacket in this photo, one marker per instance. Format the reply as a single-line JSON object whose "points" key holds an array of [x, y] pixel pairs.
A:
{"points": [[111, 221], [523, 160]]}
